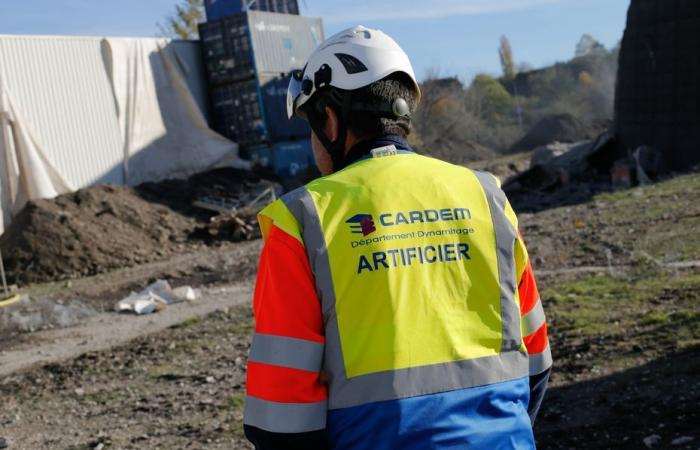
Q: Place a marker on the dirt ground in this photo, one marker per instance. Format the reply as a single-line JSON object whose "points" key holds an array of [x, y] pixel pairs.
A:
{"points": [[181, 388], [104, 228], [625, 332], [201, 267]]}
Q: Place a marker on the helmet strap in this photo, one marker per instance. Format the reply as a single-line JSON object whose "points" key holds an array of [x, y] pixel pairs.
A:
{"points": [[336, 149]]}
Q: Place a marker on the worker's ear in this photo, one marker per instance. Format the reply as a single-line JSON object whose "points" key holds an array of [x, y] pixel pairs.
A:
{"points": [[332, 126]]}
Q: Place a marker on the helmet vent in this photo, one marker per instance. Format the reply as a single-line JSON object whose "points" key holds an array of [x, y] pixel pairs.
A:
{"points": [[352, 65]]}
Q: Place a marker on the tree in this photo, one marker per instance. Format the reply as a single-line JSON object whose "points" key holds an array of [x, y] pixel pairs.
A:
{"points": [[506, 54], [588, 45], [488, 99], [585, 78], [524, 67], [183, 24]]}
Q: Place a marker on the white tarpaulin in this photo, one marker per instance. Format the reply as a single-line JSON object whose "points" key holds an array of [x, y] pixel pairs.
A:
{"points": [[79, 111], [164, 132], [26, 171]]}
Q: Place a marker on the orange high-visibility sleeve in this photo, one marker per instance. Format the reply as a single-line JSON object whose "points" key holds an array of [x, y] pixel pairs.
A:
{"points": [[533, 321], [538, 341], [284, 385], [286, 354], [285, 301], [527, 290]]}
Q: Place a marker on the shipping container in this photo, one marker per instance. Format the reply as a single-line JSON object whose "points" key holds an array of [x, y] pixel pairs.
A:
{"points": [[246, 44], [218, 9], [251, 112], [260, 156], [282, 43], [249, 57], [226, 50], [237, 112], [290, 159], [283, 159], [278, 126]]}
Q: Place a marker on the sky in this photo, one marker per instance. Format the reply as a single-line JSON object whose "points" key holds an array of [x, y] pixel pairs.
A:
{"points": [[442, 37]]}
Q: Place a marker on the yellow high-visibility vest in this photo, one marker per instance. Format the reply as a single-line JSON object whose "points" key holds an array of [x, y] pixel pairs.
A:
{"points": [[417, 280]]}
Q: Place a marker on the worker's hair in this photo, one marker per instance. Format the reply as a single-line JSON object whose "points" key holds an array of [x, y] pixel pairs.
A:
{"points": [[380, 93], [366, 125]]}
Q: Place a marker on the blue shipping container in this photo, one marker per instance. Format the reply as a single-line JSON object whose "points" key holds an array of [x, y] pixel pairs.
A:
{"points": [[290, 159], [218, 9], [237, 112], [252, 113], [260, 156], [226, 50], [239, 46], [278, 126]]}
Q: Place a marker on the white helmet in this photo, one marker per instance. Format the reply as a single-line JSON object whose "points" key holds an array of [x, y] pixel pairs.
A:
{"points": [[350, 60]]}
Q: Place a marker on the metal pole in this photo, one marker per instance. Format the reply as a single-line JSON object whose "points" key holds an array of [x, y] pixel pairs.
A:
{"points": [[4, 280], [7, 195]]}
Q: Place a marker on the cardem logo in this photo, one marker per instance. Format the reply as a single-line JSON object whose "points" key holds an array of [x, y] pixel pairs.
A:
{"points": [[362, 224]]}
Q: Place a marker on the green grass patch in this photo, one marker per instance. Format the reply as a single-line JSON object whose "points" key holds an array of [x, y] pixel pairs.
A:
{"points": [[685, 183], [106, 396], [655, 318], [187, 323], [602, 304], [659, 221], [167, 372], [193, 344], [236, 402], [601, 323]]}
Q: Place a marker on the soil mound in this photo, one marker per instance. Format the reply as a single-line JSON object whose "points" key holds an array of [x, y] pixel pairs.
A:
{"points": [[102, 228], [90, 231], [558, 127]]}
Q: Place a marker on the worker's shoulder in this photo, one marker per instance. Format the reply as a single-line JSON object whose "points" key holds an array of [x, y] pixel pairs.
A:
{"points": [[407, 166], [458, 170], [293, 197]]}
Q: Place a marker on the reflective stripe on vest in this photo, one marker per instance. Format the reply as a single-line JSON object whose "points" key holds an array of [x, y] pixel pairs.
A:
{"points": [[533, 320], [506, 362], [539, 362], [285, 417], [505, 246], [286, 352]]}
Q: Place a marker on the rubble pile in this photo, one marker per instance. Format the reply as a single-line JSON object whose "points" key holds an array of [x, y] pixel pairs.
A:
{"points": [[234, 226], [564, 175], [560, 128], [107, 227]]}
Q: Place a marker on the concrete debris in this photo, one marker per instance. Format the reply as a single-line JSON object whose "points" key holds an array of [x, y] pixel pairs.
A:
{"points": [[3, 443], [237, 220], [573, 163], [648, 163], [682, 440], [546, 153], [262, 193], [28, 316], [155, 298], [238, 225], [620, 175], [652, 441]]}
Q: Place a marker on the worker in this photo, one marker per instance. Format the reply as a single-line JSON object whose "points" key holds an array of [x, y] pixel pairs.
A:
{"points": [[395, 304]]}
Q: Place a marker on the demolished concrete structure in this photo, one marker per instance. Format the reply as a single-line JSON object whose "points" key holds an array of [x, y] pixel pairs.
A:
{"points": [[658, 87]]}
